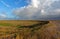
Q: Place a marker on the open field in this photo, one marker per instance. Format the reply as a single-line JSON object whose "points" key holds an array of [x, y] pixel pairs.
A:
{"points": [[29, 29]]}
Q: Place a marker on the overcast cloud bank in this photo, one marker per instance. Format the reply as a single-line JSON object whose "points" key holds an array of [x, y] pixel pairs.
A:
{"points": [[39, 9]]}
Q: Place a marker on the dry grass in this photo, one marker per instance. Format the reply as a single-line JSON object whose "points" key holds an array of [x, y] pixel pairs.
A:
{"points": [[8, 27], [51, 30], [18, 22], [9, 30]]}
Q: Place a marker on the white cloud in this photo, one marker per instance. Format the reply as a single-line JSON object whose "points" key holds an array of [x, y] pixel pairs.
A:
{"points": [[35, 3], [37, 9], [2, 16], [57, 10]]}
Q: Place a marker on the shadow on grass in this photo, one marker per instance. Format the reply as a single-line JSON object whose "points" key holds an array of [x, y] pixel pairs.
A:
{"points": [[34, 25]]}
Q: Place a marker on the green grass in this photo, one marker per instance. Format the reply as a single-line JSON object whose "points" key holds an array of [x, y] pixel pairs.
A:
{"points": [[6, 24], [19, 26]]}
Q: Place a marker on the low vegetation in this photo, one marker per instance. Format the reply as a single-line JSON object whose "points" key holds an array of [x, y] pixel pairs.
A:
{"points": [[6, 24], [20, 29]]}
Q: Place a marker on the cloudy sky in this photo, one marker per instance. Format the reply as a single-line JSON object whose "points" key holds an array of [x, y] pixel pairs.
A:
{"points": [[30, 9]]}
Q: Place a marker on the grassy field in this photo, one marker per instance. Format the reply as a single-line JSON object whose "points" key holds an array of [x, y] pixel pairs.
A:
{"points": [[12, 27], [16, 22], [29, 29]]}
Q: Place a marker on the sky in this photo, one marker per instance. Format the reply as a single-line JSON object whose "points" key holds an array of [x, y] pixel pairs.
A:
{"points": [[30, 9]]}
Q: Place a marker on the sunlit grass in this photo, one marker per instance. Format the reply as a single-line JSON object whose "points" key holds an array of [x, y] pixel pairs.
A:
{"points": [[6, 24]]}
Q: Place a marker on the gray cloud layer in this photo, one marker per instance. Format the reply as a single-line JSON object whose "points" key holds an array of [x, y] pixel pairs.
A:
{"points": [[39, 10]]}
